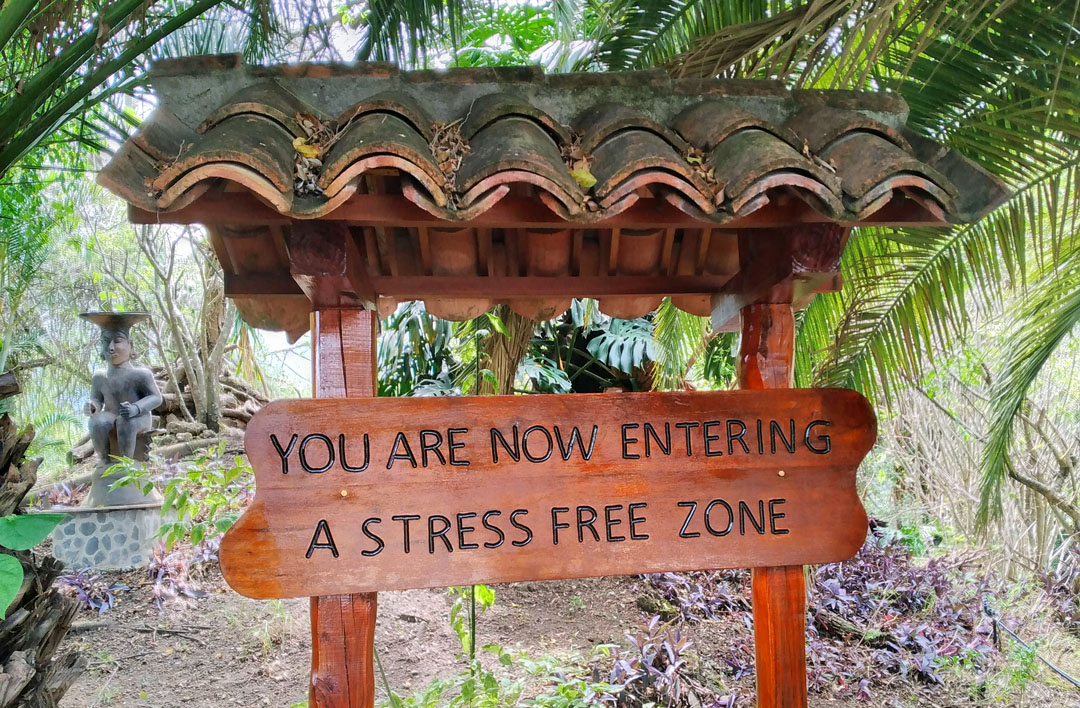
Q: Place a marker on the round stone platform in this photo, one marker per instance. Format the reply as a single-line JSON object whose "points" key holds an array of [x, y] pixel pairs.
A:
{"points": [[107, 538]]}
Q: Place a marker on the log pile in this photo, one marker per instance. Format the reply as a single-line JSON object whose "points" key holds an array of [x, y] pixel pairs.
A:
{"points": [[178, 433], [39, 618]]}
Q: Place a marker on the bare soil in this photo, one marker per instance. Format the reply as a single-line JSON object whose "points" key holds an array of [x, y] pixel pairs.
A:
{"points": [[226, 650]]}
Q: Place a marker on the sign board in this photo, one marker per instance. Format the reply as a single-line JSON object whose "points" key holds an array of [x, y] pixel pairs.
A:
{"points": [[390, 493]]}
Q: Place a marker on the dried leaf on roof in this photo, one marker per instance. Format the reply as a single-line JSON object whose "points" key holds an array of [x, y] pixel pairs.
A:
{"points": [[695, 157], [319, 137], [448, 147]]}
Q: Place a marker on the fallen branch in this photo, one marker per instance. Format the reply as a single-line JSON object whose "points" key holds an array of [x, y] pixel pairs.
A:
{"points": [[831, 624], [184, 449]]}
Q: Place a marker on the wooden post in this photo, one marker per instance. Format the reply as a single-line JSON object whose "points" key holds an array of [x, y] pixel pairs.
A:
{"points": [[343, 626], [766, 353]]}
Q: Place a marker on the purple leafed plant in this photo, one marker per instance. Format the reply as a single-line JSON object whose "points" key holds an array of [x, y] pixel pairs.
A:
{"points": [[174, 572], [657, 671], [1062, 587], [91, 589], [64, 494], [915, 618]]}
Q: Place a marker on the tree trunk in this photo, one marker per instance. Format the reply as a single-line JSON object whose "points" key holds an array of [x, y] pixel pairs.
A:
{"points": [[502, 354], [39, 618]]}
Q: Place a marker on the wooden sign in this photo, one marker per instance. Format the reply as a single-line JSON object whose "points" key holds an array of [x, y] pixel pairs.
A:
{"points": [[395, 493]]}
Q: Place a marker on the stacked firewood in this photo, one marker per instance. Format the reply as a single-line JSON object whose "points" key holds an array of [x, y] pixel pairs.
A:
{"points": [[40, 616], [178, 433]]}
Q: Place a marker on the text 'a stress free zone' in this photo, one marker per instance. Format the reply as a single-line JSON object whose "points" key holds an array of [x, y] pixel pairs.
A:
{"points": [[584, 523]]}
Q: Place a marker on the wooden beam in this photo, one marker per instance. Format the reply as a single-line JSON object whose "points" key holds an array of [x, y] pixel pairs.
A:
{"points": [[421, 287], [766, 354], [343, 626], [779, 266], [326, 263], [384, 210]]}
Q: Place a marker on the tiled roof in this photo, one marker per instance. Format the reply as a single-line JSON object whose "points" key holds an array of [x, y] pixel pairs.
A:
{"points": [[716, 149], [471, 187]]}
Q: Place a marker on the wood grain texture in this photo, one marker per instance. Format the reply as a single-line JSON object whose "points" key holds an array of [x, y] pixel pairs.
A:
{"points": [[326, 262], [512, 211], [281, 548], [343, 626], [766, 352]]}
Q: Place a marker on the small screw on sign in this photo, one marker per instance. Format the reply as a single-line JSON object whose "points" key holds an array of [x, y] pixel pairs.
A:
{"points": [[345, 492], [781, 473]]}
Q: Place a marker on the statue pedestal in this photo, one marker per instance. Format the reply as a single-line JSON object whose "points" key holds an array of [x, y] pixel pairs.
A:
{"points": [[107, 537]]}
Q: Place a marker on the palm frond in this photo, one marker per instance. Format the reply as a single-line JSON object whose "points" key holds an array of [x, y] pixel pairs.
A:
{"points": [[403, 31], [1047, 315], [680, 338], [910, 292]]}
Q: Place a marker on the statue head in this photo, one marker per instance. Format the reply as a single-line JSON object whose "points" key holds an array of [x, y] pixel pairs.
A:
{"points": [[115, 338]]}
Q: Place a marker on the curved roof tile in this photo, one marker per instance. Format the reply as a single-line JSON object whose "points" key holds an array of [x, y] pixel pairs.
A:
{"points": [[865, 161], [633, 151], [819, 127], [396, 103], [597, 123], [492, 107], [379, 133], [751, 161], [268, 99], [516, 143], [259, 143], [708, 123]]}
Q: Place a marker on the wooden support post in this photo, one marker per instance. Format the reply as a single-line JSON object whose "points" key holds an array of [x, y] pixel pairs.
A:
{"points": [[766, 353], [343, 626]]}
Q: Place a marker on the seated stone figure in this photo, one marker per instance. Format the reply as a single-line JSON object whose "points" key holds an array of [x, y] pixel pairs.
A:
{"points": [[122, 397]]}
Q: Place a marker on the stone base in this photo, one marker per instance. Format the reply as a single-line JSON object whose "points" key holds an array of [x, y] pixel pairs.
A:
{"points": [[107, 538]]}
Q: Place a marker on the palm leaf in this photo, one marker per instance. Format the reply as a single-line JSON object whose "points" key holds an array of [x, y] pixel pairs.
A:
{"points": [[1045, 317], [680, 338]]}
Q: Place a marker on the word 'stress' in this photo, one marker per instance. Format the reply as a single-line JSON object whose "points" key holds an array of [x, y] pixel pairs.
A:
{"points": [[388, 494]]}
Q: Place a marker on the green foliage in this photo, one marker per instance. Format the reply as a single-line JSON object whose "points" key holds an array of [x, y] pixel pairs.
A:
{"points": [[624, 345], [11, 578], [1023, 666], [31, 214], [19, 533], [414, 347], [470, 602], [475, 687], [500, 34], [72, 64], [1047, 315], [203, 497]]}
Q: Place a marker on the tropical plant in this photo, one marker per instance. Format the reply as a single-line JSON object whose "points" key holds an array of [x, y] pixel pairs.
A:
{"points": [[30, 214], [203, 497], [67, 64], [20, 532]]}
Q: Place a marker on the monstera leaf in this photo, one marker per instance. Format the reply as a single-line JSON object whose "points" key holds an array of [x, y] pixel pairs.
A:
{"points": [[625, 345]]}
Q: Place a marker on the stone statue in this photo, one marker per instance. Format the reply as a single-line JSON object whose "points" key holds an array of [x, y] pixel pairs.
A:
{"points": [[122, 397]]}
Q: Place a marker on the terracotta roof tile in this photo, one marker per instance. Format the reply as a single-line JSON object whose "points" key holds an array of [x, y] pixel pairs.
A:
{"points": [[751, 161], [380, 133], [636, 130], [398, 103], [259, 143], [516, 143], [446, 179], [268, 99], [491, 107], [599, 122], [633, 152]]}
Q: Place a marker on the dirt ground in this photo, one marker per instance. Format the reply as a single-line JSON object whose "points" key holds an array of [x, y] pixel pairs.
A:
{"points": [[226, 650]]}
